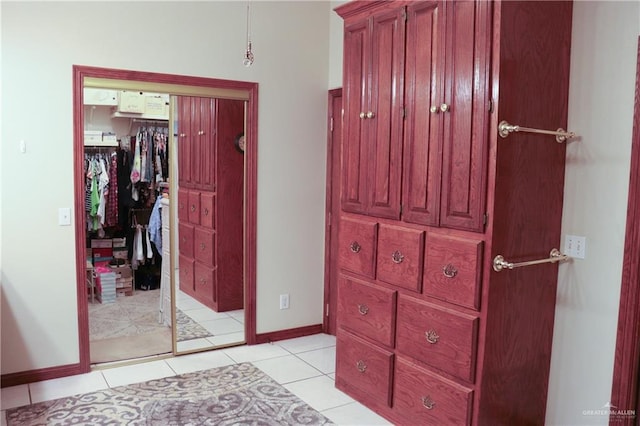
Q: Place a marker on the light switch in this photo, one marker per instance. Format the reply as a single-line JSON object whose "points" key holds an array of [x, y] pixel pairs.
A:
{"points": [[64, 216]]}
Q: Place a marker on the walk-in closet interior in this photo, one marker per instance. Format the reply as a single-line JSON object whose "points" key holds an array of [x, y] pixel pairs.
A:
{"points": [[164, 213]]}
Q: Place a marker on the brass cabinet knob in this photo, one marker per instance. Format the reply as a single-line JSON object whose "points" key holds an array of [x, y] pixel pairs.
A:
{"points": [[397, 257], [202, 246], [434, 109], [449, 271], [361, 366], [355, 247], [444, 108], [363, 309], [428, 403], [363, 115], [432, 336], [370, 114], [193, 207]]}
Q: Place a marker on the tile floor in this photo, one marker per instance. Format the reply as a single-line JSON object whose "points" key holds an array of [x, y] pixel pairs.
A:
{"points": [[226, 327], [304, 365]]}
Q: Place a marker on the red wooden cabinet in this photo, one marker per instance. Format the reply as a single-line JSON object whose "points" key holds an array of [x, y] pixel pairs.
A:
{"points": [[211, 173], [420, 307]]}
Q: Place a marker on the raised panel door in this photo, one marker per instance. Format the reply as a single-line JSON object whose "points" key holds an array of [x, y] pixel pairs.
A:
{"points": [[207, 143], [184, 141], [355, 151], [422, 128], [384, 117], [465, 121], [196, 137]]}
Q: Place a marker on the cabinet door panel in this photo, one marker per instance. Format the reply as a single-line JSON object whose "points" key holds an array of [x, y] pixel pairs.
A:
{"points": [[422, 132], [184, 140], [196, 129], [204, 246], [185, 241], [355, 147], [385, 113], [183, 205], [466, 122], [442, 338], [400, 255], [422, 397], [367, 309], [204, 282], [185, 274], [194, 207], [207, 144], [453, 270], [357, 246], [365, 367], [207, 209]]}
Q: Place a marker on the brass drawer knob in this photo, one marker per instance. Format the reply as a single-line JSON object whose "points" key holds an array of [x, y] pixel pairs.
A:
{"points": [[434, 109], [203, 281], [363, 309], [449, 271], [361, 366], [193, 207], [363, 115], [355, 247], [432, 336], [202, 246], [206, 212], [397, 257], [428, 403]]}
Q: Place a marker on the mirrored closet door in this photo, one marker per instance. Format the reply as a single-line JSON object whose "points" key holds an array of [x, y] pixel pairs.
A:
{"points": [[165, 217]]}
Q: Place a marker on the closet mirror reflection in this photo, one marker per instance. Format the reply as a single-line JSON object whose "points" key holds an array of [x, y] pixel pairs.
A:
{"points": [[176, 241]]}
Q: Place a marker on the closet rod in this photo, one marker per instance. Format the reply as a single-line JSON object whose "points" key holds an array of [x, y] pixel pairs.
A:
{"points": [[504, 128], [555, 256], [143, 120]]}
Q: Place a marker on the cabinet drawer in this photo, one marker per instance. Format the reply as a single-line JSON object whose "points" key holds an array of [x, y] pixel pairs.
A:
{"points": [[439, 337], [204, 281], [207, 204], [194, 207], [424, 398], [452, 270], [185, 274], [185, 239], [400, 256], [357, 243], [364, 367], [183, 205], [367, 309], [204, 246]]}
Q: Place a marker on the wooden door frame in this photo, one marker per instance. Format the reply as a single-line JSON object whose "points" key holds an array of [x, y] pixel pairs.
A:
{"points": [[624, 394], [251, 155], [328, 320]]}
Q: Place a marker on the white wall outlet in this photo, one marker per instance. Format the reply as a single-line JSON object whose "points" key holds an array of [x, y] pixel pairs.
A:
{"points": [[64, 216], [284, 301], [575, 246]]}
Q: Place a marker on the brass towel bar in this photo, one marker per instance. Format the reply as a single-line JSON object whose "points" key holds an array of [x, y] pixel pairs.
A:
{"points": [[561, 135], [555, 256]]}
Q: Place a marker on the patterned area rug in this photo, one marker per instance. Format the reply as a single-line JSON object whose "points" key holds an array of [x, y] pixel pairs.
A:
{"points": [[236, 394], [128, 316], [188, 329]]}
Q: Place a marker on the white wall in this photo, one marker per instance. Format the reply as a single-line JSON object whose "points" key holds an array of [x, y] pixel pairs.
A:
{"points": [[601, 100], [40, 43]]}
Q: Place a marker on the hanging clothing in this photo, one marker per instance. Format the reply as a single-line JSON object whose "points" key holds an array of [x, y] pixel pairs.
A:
{"points": [[112, 201], [155, 225]]}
